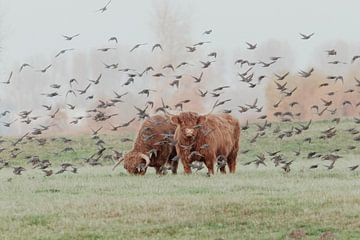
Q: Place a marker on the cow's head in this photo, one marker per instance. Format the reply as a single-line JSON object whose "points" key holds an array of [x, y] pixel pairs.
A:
{"points": [[189, 123], [134, 162]]}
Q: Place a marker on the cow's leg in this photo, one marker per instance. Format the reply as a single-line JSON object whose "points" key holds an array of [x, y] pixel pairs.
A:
{"points": [[231, 160], [174, 166], [184, 159], [232, 166], [223, 170], [143, 172], [209, 162], [158, 170], [186, 163], [187, 168]]}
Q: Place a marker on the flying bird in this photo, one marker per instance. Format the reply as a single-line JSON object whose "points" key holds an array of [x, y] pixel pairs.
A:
{"points": [[306, 74], [24, 66], [281, 77], [331, 52], [103, 9], [69, 38], [305, 37], [198, 79], [355, 58], [105, 50], [81, 92], [113, 39], [158, 45], [97, 81], [9, 78], [207, 32], [45, 69], [63, 52], [251, 46], [202, 93], [137, 46]]}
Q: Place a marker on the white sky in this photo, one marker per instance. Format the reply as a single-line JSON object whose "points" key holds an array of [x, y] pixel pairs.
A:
{"points": [[35, 27], [32, 28]]}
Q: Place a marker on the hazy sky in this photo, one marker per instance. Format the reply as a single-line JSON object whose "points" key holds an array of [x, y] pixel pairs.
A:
{"points": [[32, 28], [31, 31]]}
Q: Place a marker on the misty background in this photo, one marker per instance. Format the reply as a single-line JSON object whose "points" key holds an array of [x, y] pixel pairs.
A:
{"points": [[31, 32]]}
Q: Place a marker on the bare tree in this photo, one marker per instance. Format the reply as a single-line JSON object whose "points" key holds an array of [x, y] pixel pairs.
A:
{"points": [[172, 29]]}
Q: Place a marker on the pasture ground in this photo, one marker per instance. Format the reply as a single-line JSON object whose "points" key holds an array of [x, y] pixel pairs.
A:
{"points": [[254, 203]]}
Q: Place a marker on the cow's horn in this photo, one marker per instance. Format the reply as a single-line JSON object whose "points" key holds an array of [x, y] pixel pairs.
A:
{"points": [[118, 163], [146, 158]]}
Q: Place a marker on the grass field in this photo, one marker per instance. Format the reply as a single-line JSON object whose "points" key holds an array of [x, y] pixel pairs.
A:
{"points": [[255, 203]]}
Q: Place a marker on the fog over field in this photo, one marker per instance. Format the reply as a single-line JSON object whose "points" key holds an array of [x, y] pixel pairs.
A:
{"points": [[31, 32]]}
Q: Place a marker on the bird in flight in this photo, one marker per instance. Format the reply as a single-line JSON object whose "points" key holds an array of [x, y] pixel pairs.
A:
{"points": [[158, 45], [202, 93], [105, 49], [305, 74], [81, 92], [251, 46], [331, 52], [198, 79], [64, 51], [113, 39], [97, 80], [137, 46], [355, 58], [24, 66], [45, 69], [281, 77], [69, 38], [8, 81], [207, 32], [103, 9], [305, 37]]}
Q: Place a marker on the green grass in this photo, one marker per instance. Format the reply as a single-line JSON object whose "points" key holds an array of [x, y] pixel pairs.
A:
{"points": [[84, 146], [254, 203]]}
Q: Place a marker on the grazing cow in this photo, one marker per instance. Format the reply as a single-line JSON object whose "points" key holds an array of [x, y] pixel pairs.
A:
{"points": [[154, 147], [207, 138]]}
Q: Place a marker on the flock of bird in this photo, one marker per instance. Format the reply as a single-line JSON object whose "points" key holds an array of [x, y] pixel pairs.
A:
{"points": [[101, 117]]}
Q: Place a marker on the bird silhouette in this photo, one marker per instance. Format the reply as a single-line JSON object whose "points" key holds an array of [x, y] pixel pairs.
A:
{"points": [[103, 9], [9, 78], [306, 37], [69, 38]]}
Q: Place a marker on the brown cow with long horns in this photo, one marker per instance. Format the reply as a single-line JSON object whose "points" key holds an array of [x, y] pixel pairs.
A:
{"points": [[207, 138], [154, 147]]}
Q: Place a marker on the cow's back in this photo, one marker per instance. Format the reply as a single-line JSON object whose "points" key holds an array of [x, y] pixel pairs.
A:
{"points": [[224, 131], [151, 132]]}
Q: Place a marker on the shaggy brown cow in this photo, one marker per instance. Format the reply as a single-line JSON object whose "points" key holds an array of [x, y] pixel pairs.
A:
{"points": [[154, 147], [207, 138]]}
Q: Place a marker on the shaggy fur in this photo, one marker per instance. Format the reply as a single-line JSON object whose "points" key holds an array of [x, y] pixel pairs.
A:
{"points": [[204, 138], [149, 138]]}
